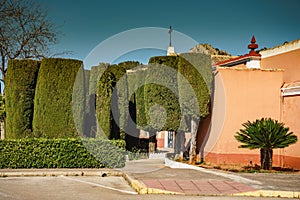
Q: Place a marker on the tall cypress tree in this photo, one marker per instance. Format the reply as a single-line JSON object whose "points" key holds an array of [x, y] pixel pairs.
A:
{"points": [[111, 94], [53, 117], [195, 81], [20, 89]]}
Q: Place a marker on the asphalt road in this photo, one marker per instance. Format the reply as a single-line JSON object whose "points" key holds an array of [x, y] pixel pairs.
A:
{"points": [[82, 187]]}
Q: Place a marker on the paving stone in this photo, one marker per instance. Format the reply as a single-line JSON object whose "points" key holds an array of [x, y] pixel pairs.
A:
{"points": [[207, 187]]}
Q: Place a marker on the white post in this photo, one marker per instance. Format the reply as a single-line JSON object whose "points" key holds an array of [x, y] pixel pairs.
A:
{"points": [[166, 139]]}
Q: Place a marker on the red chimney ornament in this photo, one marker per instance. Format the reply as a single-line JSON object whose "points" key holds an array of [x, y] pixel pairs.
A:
{"points": [[253, 46]]}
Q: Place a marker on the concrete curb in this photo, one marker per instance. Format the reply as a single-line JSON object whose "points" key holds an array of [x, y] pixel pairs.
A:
{"points": [[58, 172], [141, 188], [270, 193]]}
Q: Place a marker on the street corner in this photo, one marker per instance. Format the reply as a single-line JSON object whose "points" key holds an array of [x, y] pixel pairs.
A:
{"points": [[144, 187]]}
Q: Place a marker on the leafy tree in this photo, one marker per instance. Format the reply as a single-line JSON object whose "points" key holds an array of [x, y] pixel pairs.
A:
{"points": [[265, 134], [25, 31]]}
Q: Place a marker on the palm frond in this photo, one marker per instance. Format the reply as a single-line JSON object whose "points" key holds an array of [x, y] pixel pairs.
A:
{"points": [[265, 133]]}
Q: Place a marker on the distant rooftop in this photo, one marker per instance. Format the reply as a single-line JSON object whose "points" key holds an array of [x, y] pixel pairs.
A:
{"points": [[252, 55], [283, 48]]}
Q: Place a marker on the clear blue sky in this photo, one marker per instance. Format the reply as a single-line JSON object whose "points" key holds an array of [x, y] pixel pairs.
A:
{"points": [[227, 25]]}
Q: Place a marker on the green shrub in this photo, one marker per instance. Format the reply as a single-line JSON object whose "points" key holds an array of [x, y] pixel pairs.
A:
{"points": [[119, 143], [60, 153], [53, 117], [19, 96]]}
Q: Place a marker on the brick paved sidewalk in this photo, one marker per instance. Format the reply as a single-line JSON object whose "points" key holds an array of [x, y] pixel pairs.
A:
{"points": [[199, 187]]}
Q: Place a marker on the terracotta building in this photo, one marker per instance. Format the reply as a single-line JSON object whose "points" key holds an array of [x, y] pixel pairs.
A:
{"points": [[249, 87]]}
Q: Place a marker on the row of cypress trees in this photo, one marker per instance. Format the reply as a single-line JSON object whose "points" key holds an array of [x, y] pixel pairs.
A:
{"points": [[167, 94], [39, 96]]}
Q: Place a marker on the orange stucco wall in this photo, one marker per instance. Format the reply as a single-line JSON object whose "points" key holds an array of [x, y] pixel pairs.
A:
{"points": [[291, 116], [289, 61], [249, 94]]}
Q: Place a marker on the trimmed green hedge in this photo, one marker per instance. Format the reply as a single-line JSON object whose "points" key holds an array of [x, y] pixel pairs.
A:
{"points": [[20, 85], [61, 153], [90, 124], [103, 103], [163, 93], [53, 117], [95, 74], [194, 93], [135, 83], [193, 84], [202, 63], [79, 100], [105, 99]]}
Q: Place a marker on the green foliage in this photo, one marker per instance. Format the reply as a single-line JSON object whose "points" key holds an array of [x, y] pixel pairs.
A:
{"points": [[162, 106], [103, 103], [194, 94], [129, 64], [60, 153], [135, 83], [119, 143], [20, 89], [90, 126], [170, 61], [186, 94], [53, 117], [265, 133], [105, 100], [202, 63], [136, 154], [79, 100], [95, 74]]}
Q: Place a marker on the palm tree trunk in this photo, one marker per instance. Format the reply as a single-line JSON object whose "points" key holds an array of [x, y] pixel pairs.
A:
{"points": [[266, 155]]}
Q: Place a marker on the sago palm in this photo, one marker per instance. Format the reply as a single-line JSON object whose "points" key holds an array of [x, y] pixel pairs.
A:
{"points": [[265, 134]]}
